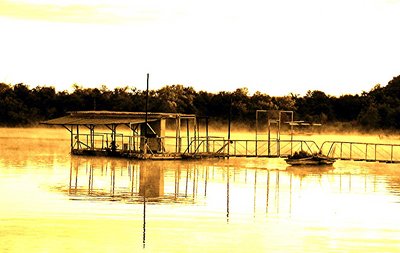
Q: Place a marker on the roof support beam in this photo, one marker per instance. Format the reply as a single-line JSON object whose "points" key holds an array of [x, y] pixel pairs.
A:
{"points": [[72, 135]]}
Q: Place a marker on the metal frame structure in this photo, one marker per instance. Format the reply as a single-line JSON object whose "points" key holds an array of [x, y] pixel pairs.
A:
{"points": [[273, 117], [147, 138]]}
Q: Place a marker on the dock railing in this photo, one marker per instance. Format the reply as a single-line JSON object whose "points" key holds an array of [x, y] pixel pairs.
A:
{"points": [[249, 148], [210, 145], [205, 145], [265, 148], [221, 147], [126, 143], [361, 151]]}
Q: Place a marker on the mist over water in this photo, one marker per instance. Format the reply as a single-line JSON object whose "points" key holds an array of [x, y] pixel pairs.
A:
{"points": [[52, 202]]}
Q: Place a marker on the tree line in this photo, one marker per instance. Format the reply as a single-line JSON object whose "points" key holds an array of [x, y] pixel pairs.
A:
{"points": [[377, 109]]}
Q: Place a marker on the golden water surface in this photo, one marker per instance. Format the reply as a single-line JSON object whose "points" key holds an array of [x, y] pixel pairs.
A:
{"points": [[52, 202]]}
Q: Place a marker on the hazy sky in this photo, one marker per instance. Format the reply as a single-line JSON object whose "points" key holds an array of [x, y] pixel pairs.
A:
{"points": [[274, 46]]}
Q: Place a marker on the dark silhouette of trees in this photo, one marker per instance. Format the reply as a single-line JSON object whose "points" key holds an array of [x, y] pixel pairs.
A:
{"points": [[347, 107], [14, 105], [316, 106], [377, 109], [176, 98], [382, 104]]}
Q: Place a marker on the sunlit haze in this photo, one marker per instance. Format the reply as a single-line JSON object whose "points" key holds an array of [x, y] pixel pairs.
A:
{"points": [[276, 47]]}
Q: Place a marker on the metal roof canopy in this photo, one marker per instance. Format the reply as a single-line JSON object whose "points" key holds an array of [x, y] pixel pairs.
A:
{"points": [[110, 117]]}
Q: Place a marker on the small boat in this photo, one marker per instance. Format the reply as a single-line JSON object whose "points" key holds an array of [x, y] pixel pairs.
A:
{"points": [[306, 159]]}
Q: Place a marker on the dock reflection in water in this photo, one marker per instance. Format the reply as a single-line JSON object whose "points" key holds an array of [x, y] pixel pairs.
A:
{"points": [[323, 203], [131, 181]]}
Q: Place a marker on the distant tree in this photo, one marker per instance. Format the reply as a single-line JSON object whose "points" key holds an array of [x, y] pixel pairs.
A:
{"points": [[202, 103], [220, 105], [286, 103], [121, 100], [239, 107], [369, 117], [44, 99], [315, 106], [378, 108], [176, 98], [347, 107], [381, 106], [260, 101], [15, 105], [80, 100]]}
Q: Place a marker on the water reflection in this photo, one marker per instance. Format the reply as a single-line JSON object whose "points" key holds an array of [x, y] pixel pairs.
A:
{"points": [[229, 191], [188, 183], [129, 181], [51, 202], [227, 194]]}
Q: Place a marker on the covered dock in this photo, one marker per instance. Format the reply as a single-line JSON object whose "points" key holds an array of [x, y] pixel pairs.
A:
{"points": [[138, 135]]}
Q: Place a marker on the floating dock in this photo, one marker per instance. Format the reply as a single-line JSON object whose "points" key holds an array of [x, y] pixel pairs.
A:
{"points": [[138, 135], [173, 136]]}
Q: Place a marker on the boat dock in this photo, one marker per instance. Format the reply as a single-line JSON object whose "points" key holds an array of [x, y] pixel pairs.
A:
{"points": [[133, 134], [172, 136]]}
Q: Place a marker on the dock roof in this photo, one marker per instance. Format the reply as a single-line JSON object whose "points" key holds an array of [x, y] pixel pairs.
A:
{"points": [[111, 117]]}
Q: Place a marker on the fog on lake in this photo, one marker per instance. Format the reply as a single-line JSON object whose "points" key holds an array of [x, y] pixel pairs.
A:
{"points": [[54, 202]]}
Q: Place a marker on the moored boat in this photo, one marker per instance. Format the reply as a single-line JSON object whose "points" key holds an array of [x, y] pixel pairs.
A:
{"points": [[306, 159]]}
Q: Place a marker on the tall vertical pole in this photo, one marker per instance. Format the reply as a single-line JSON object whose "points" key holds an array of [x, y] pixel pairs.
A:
{"points": [[176, 134], [278, 135], [195, 132], [146, 115], [269, 137], [229, 120], [291, 134], [147, 104], [256, 132], [187, 133], [207, 144], [229, 124]]}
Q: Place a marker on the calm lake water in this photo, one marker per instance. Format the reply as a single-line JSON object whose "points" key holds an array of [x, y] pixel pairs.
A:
{"points": [[52, 202]]}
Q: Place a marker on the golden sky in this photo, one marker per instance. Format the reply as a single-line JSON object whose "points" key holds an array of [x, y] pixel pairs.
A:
{"points": [[276, 47]]}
